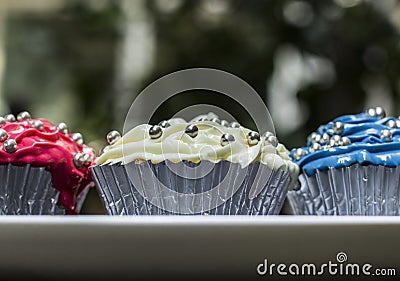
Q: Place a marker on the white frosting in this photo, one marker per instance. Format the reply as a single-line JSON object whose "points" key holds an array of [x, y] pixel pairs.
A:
{"points": [[175, 145]]}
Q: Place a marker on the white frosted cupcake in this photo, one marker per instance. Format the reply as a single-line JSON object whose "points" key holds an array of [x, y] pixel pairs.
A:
{"points": [[204, 166]]}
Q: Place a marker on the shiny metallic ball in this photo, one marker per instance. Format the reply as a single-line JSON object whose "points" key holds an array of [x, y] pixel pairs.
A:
{"points": [[10, 118], [235, 125], [317, 138], [192, 131], [273, 141], [371, 112], [2, 120], [78, 138], [380, 112], [346, 141], [37, 124], [324, 138], [338, 127], [315, 147], [79, 159], [87, 159], [386, 135], [23, 116], [225, 123], [253, 138], [335, 141], [62, 128], [155, 132], [226, 139], [268, 134], [311, 137], [10, 146], [164, 124], [299, 153], [216, 120], [113, 137], [3, 135], [391, 124]]}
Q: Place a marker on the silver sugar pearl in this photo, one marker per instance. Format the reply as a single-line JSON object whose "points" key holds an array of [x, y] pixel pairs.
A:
{"points": [[225, 123], [397, 123], [10, 146], [235, 125], [380, 112], [371, 112], [268, 134], [192, 131], [10, 118], [87, 159], [299, 153], [3, 135], [346, 141], [2, 120], [113, 137], [315, 147], [78, 138], [335, 141], [216, 120], [338, 127], [317, 138], [324, 138], [226, 139], [23, 116], [37, 124], [253, 138], [311, 137], [155, 132], [62, 128], [273, 140], [391, 124], [386, 135], [79, 159], [164, 124]]}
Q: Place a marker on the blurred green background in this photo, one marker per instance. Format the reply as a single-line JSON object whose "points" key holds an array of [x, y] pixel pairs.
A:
{"points": [[83, 62]]}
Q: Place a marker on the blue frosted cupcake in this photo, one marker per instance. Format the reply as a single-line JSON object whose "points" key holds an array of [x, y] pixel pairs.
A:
{"points": [[350, 166]]}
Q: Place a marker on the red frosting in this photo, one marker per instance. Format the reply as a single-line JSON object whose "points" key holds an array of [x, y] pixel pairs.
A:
{"points": [[54, 151]]}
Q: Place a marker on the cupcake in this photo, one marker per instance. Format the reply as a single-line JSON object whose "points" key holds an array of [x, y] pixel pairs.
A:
{"points": [[202, 167], [350, 166], [44, 169]]}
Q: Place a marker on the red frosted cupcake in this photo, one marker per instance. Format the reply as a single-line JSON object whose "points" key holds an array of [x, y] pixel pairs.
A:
{"points": [[44, 170]]}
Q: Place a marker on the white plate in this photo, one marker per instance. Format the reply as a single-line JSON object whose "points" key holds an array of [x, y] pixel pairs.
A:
{"points": [[104, 247]]}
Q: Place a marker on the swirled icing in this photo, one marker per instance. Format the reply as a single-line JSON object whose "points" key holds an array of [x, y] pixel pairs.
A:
{"points": [[175, 145], [52, 150], [366, 147]]}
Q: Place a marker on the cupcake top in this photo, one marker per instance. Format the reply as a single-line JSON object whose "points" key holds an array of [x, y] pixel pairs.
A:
{"points": [[203, 138], [369, 138], [37, 142]]}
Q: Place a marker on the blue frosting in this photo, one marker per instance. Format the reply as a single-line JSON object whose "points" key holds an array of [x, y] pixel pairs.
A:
{"points": [[366, 146]]}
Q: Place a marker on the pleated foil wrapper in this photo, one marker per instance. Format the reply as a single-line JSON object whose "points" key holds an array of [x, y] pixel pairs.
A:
{"points": [[354, 191], [26, 190], [140, 189]]}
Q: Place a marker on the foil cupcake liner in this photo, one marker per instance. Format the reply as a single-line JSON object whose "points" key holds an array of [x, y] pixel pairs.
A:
{"points": [[26, 190], [139, 189], [356, 190], [80, 200]]}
